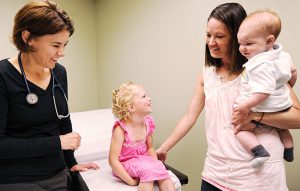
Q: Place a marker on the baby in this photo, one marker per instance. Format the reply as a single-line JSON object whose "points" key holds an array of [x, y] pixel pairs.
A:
{"points": [[264, 81]]}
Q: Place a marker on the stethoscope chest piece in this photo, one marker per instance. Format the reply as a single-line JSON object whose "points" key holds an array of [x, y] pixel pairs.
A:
{"points": [[32, 98]]}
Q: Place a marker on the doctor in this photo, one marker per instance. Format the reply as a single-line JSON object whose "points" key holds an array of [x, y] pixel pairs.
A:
{"points": [[36, 139]]}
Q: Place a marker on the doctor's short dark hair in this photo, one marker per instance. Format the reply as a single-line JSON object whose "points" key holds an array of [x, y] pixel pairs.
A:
{"points": [[39, 18]]}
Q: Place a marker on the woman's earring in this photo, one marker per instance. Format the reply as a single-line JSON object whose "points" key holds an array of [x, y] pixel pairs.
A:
{"points": [[29, 45]]}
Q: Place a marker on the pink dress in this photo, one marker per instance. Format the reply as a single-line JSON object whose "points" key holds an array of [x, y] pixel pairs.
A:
{"points": [[135, 158]]}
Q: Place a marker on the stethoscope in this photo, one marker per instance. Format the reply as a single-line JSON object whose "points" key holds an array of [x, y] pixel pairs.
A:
{"points": [[32, 98]]}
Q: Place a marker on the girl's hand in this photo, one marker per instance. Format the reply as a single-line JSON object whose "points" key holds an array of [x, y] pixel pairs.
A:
{"points": [[84, 167], [134, 182], [161, 154]]}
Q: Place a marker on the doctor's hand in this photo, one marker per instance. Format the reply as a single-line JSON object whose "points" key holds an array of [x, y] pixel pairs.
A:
{"points": [[84, 167], [161, 154], [70, 141]]}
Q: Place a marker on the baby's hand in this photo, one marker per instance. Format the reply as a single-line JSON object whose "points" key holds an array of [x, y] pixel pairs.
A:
{"points": [[240, 113], [244, 124]]}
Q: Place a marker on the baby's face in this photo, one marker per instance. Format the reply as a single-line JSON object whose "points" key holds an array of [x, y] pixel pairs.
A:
{"points": [[252, 41]]}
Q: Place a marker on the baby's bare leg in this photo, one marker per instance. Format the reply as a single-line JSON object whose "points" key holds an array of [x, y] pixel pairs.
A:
{"points": [[247, 139], [287, 141], [286, 138], [250, 142]]}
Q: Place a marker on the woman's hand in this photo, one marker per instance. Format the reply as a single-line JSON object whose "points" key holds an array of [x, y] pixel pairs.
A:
{"points": [[161, 154], [70, 141], [84, 167]]}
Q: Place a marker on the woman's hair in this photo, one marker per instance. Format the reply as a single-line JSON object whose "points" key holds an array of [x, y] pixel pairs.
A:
{"points": [[39, 18], [232, 15], [122, 100]]}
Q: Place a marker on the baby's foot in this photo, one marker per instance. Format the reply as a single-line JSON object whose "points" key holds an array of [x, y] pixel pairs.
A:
{"points": [[288, 154], [258, 162]]}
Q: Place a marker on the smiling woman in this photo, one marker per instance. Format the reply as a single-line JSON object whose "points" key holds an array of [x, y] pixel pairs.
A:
{"points": [[227, 165], [36, 139], [49, 47]]}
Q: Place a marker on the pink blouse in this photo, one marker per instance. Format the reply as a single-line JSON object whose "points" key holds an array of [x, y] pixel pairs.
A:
{"points": [[227, 162]]}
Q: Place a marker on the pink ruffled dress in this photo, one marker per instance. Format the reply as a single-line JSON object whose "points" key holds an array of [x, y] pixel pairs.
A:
{"points": [[135, 158]]}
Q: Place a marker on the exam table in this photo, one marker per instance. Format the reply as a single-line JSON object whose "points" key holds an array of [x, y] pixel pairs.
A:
{"points": [[95, 128]]}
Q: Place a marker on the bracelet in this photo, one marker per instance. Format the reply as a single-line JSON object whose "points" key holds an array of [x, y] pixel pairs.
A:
{"points": [[257, 123], [262, 116]]}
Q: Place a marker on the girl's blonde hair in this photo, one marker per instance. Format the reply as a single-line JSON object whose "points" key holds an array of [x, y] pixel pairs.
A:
{"points": [[122, 100]]}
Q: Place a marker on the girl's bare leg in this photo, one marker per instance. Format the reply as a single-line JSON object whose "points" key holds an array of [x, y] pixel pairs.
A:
{"points": [[166, 185], [146, 186]]}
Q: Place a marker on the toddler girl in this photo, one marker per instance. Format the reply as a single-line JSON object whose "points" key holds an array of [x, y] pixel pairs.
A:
{"points": [[132, 156]]}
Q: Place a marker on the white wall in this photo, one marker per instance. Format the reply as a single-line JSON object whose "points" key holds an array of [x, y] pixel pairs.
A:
{"points": [[160, 44]]}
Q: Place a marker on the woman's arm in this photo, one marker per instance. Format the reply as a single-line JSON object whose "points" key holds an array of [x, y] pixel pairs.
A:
{"points": [[284, 120], [187, 121], [69, 141], [243, 108], [117, 140]]}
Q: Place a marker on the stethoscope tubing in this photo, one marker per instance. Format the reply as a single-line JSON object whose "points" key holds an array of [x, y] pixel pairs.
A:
{"points": [[32, 98], [23, 73]]}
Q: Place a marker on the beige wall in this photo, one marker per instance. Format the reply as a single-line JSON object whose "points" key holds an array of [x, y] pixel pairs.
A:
{"points": [[80, 59], [159, 44], [81, 55]]}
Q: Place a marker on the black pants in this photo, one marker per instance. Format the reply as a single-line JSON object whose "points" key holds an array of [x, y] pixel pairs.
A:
{"points": [[56, 183], [205, 186]]}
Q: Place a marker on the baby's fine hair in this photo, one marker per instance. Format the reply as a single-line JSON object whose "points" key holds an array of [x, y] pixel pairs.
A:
{"points": [[268, 21], [122, 100]]}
